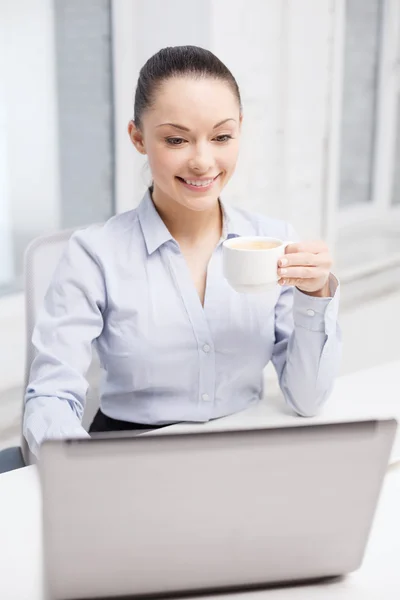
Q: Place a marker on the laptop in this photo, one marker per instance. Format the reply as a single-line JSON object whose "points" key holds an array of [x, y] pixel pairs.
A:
{"points": [[149, 515]]}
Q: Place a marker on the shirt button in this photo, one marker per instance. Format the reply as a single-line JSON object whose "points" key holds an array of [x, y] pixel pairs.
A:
{"points": [[205, 397], [311, 312], [206, 348]]}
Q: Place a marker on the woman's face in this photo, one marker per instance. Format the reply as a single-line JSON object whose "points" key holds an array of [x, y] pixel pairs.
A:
{"points": [[191, 137]]}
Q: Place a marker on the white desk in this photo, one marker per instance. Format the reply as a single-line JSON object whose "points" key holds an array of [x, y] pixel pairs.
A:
{"points": [[364, 394], [370, 393]]}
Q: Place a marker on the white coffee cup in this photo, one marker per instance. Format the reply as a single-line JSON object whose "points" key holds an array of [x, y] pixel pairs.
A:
{"points": [[250, 263]]}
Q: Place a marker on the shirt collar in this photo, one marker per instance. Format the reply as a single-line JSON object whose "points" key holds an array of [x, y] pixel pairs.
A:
{"points": [[156, 234]]}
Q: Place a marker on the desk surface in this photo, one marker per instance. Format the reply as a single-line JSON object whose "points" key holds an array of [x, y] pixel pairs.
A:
{"points": [[365, 394], [360, 395]]}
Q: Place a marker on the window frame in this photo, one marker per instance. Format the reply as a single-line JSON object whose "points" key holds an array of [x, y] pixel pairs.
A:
{"points": [[380, 209]]}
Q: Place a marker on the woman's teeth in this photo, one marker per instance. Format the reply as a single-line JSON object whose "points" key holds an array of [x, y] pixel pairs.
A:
{"points": [[199, 183]]}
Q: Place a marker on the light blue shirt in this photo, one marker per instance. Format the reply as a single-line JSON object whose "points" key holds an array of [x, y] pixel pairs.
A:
{"points": [[125, 287]]}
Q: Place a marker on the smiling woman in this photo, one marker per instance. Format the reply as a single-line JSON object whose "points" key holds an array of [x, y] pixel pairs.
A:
{"points": [[192, 145], [147, 287]]}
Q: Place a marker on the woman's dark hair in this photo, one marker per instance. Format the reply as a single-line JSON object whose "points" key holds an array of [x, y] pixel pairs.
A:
{"points": [[178, 61]]}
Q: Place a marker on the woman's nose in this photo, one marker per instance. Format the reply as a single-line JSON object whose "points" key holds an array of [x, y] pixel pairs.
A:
{"points": [[201, 161]]}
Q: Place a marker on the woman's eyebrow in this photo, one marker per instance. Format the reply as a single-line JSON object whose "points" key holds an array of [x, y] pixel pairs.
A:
{"points": [[183, 128]]}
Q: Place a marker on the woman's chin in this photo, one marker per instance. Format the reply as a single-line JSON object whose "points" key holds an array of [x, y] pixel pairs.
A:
{"points": [[201, 203]]}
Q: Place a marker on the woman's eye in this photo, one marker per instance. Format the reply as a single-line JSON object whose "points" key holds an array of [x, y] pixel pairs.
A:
{"points": [[223, 138], [175, 141]]}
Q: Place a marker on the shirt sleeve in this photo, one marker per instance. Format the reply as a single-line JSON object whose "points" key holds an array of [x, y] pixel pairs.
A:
{"points": [[70, 319], [307, 349]]}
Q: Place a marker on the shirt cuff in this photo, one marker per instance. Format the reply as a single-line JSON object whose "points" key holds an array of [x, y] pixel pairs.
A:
{"points": [[317, 314], [63, 434]]}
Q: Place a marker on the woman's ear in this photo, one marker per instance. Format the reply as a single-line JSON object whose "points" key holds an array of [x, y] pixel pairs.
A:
{"points": [[136, 137]]}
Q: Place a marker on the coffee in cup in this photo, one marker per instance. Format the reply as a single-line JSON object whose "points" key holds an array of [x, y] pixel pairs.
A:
{"points": [[254, 244], [250, 263]]}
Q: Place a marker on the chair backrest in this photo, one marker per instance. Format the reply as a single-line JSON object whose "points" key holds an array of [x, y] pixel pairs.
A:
{"points": [[40, 261]]}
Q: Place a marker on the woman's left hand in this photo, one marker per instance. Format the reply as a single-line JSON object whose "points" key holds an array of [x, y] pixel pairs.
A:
{"points": [[307, 265]]}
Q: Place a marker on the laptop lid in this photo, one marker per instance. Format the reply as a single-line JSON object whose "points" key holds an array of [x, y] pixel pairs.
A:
{"points": [[166, 514]]}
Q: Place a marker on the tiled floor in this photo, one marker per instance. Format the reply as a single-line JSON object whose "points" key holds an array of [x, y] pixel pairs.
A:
{"points": [[371, 336]]}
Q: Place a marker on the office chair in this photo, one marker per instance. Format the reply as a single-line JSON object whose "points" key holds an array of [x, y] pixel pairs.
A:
{"points": [[40, 260]]}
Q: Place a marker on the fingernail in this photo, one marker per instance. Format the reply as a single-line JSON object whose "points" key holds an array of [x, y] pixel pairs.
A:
{"points": [[283, 262], [282, 271]]}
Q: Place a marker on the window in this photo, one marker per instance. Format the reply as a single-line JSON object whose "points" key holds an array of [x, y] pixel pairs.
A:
{"points": [[360, 90], [395, 197], [370, 138], [56, 123], [368, 211]]}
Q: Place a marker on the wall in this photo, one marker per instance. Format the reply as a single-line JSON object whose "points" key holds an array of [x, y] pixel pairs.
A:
{"points": [[281, 54], [31, 135], [6, 261], [31, 114]]}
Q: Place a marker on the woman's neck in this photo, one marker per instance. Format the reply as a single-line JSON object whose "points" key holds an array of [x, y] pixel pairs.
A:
{"points": [[189, 227]]}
